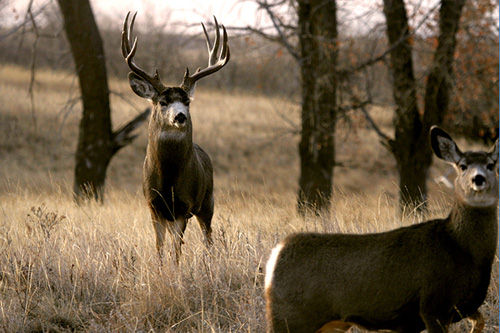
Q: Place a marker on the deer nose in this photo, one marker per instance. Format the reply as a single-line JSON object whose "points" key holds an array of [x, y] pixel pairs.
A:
{"points": [[180, 118], [479, 180]]}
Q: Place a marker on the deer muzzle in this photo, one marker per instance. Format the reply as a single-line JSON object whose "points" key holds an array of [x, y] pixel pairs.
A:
{"points": [[180, 118], [478, 182], [178, 114]]}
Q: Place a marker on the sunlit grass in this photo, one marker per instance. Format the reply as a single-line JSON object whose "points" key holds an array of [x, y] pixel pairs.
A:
{"points": [[94, 267]]}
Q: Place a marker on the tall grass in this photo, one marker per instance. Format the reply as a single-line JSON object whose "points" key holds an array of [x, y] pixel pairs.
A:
{"points": [[94, 267]]}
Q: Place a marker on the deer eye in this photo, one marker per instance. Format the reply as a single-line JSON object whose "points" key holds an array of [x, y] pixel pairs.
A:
{"points": [[490, 166], [163, 103], [463, 167]]}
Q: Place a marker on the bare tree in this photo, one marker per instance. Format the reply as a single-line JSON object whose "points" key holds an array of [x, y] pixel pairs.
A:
{"points": [[318, 59], [312, 43], [97, 142], [410, 145]]}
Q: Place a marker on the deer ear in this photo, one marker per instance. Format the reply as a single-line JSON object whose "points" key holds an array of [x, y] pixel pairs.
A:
{"points": [[494, 151], [443, 146], [141, 87]]}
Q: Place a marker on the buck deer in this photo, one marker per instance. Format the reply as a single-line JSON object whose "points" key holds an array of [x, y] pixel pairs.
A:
{"points": [[423, 276], [177, 173]]}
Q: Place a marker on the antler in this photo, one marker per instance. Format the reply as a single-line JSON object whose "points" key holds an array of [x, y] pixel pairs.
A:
{"points": [[215, 61], [128, 53]]}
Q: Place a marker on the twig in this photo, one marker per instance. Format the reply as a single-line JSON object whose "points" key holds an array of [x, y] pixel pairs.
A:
{"points": [[278, 25], [23, 24], [380, 57], [386, 141], [31, 91]]}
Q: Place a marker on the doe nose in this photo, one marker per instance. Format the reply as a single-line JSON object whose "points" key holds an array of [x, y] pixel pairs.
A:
{"points": [[180, 118], [479, 180]]}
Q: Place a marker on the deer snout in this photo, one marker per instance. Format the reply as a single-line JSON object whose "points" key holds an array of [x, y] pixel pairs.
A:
{"points": [[478, 182], [180, 118], [178, 114]]}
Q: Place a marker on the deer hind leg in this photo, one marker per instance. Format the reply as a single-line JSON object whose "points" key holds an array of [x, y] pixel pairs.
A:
{"points": [[435, 325], [176, 229], [477, 322], [335, 326]]}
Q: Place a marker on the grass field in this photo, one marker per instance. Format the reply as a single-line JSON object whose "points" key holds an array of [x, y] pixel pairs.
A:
{"points": [[94, 267]]}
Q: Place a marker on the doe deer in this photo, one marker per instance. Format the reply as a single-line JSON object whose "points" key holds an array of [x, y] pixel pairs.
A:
{"points": [[423, 276], [177, 173]]}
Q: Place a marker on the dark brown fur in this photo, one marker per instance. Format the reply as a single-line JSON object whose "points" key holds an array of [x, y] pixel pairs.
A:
{"points": [[385, 281], [424, 276], [177, 175]]}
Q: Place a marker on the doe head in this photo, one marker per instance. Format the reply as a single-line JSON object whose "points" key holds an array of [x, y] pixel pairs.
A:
{"points": [[477, 171]]}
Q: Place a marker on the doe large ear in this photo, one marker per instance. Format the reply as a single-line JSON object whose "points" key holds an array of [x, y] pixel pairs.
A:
{"points": [[494, 151], [443, 145], [141, 86]]}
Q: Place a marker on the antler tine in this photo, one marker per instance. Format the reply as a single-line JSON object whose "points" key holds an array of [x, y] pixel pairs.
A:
{"points": [[129, 53], [225, 48], [215, 49], [126, 33], [207, 39], [212, 48], [215, 60], [125, 44]]}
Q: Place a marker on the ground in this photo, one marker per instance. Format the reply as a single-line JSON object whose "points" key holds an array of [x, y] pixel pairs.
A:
{"points": [[94, 267]]}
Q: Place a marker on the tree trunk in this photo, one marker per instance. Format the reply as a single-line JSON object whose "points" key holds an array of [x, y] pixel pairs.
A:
{"points": [[96, 142], [411, 144], [94, 149], [407, 123], [439, 81], [318, 52]]}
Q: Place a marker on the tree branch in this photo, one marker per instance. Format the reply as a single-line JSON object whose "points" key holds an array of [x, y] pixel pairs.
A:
{"points": [[27, 19], [278, 25], [124, 136], [372, 61], [384, 139]]}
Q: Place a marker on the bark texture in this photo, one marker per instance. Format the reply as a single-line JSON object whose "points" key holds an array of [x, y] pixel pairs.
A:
{"points": [[97, 143], [318, 57], [410, 146]]}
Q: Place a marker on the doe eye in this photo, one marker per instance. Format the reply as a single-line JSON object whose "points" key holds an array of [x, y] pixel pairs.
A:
{"points": [[490, 166], [463, 167]]}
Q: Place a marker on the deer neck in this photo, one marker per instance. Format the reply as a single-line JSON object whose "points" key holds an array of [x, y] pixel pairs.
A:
{"points": [[170, 149], [475, 229]]}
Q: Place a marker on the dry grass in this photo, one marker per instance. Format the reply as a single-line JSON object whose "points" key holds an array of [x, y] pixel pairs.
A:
{"points": [[94, 268]]}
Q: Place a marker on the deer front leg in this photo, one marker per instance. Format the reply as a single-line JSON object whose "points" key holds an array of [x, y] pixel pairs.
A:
{"points": [[206, 228], [207, 231], [335, 326], [160, 227], [176, 229]]}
